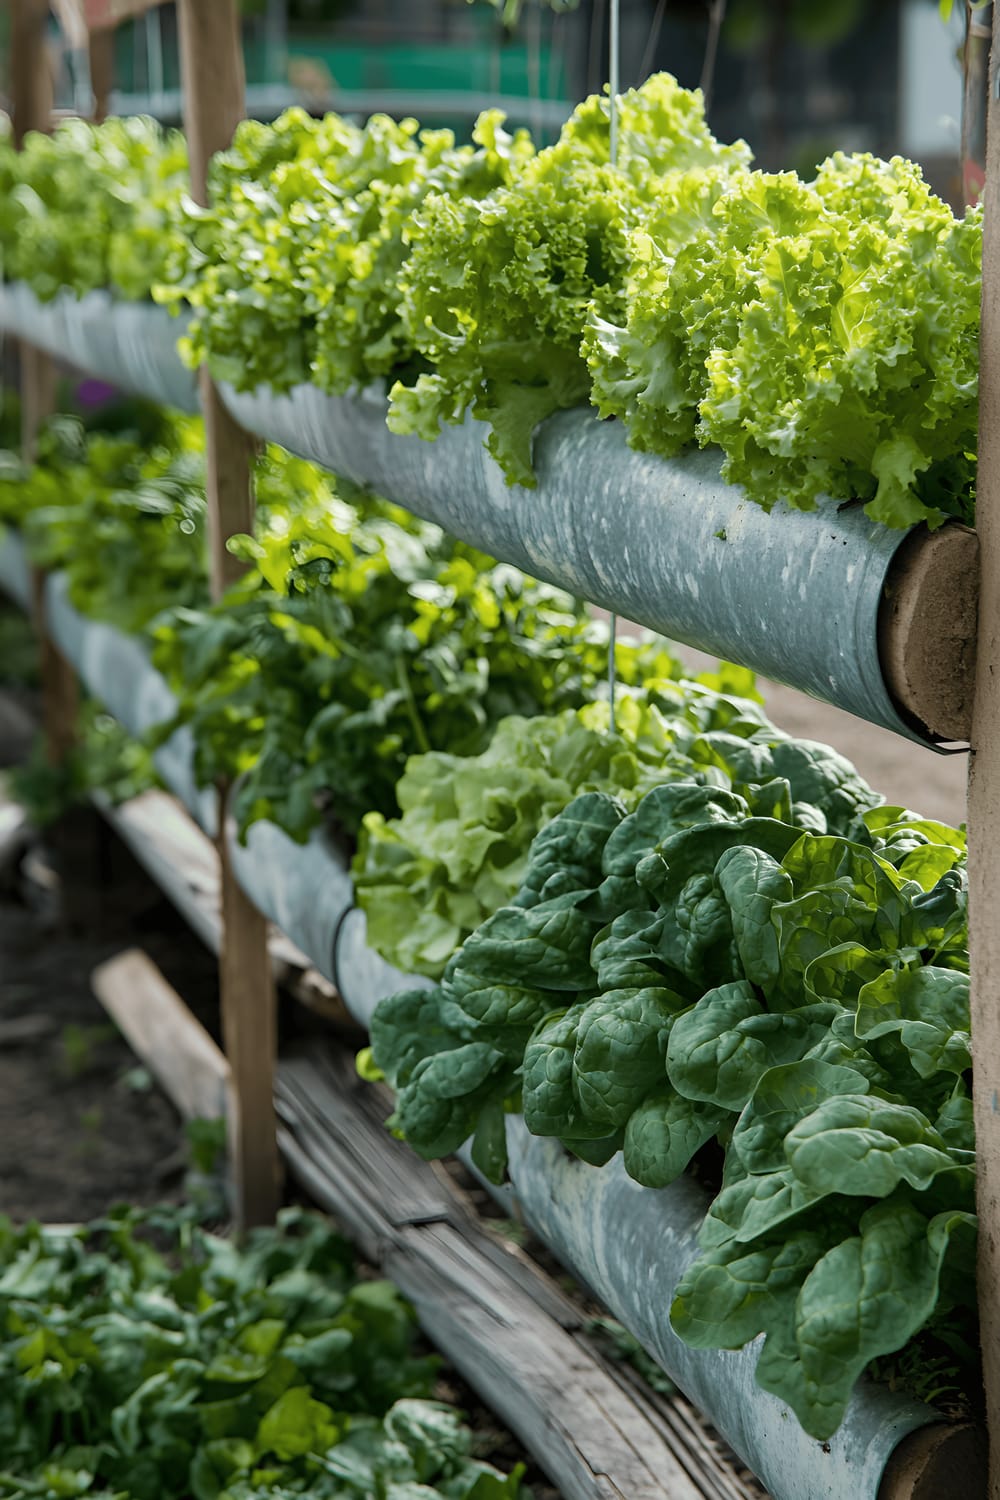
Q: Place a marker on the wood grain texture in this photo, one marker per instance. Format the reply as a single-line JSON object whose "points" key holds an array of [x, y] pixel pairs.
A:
{"points": [[38, 393], [250, 1035], [927, 629], [213, 81], [505, 1325], [30, 72], [164, 1034], [214, 90], [60, 690], [984, 797], [229, 453]]}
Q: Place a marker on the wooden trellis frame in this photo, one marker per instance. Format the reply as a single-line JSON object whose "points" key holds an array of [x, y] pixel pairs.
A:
{"points": [[31, 88], [214, 93], [213, 87]]}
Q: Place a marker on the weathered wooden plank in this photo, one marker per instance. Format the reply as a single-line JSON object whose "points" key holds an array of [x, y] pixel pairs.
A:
{"points": [[498, 1318], [214, 91], [688, 1434], [162, 1031], [176, 854]]}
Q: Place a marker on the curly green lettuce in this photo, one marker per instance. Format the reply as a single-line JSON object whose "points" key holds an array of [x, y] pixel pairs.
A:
{"points": [[459, 850], [824, 335], [91, 206], [293, 272], [496, 294]]}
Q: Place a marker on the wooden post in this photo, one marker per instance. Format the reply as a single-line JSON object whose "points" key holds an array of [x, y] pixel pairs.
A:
{"points": [[31, 93], [229, 452], [31, 87], [212, 75], [30, 75], [101, 48], [984, 796], [214, 82], [38, 394]]}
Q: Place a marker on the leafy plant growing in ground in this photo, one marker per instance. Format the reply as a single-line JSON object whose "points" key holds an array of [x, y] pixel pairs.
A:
{"points": [[146, 1359], [780, 966]]}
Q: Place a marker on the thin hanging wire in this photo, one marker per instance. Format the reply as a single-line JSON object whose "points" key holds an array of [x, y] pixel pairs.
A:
{"points": [[614, 26], [716, 16], [649, 52]]}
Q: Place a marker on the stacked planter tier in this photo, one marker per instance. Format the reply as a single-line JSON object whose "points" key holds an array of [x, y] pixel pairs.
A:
{"points": [[667, 544], [795, 596], [129, 344], [630, 1244]]}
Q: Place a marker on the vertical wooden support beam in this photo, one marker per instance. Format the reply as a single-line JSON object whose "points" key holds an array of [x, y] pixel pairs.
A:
{"points": [[31, 87], [30, 75], [214, 82], [984, 795], [229, 452], [38, 393], [250, 1039], [214, 88], [31, 93], [60, 690], [101, 49]]}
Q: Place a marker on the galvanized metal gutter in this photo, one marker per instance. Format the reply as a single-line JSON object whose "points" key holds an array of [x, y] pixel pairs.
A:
{"points": [[668, 544], [117, 670], [130, 344], [630, 1244], [798, 597], [15, 569]]}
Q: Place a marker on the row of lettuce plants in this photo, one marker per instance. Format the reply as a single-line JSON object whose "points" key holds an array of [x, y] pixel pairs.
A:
{"points": [[823, 332]]}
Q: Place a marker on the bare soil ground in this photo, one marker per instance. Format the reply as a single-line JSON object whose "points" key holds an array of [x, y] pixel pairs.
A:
{"points": [[82, 1125]]}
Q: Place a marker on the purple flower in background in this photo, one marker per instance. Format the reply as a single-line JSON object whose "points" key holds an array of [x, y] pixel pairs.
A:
{"points": [[95, 392]]}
